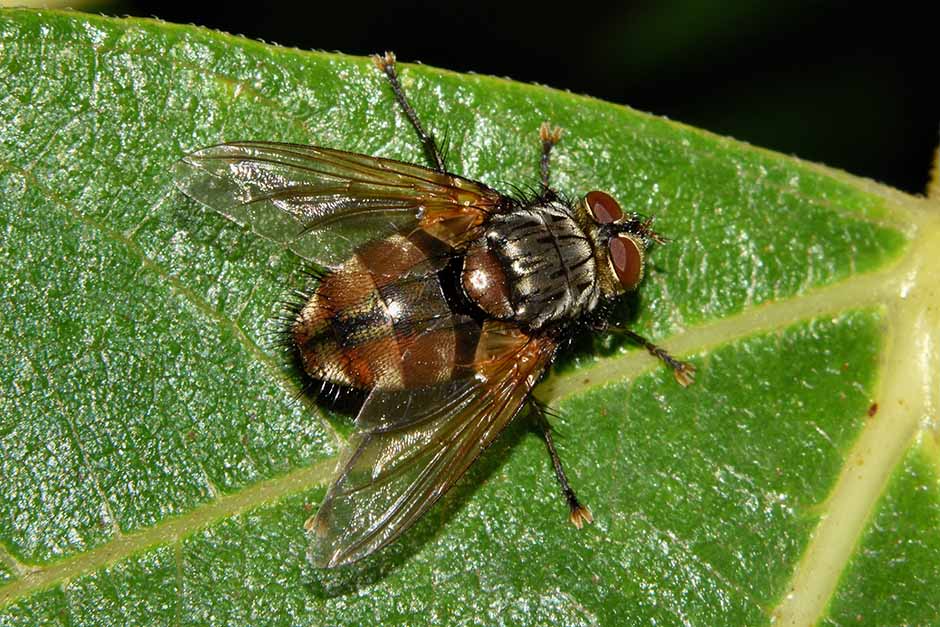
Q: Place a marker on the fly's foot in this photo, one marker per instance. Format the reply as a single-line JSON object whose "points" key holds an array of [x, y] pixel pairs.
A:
{"points": [[384, 61], [550, 134], [580, 515], [684, 373]]}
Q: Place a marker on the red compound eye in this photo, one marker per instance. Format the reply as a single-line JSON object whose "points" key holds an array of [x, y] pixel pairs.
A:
{"points": [[603, 207], [626, 256]]}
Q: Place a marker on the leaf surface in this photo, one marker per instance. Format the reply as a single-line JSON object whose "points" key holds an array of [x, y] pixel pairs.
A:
{"points": [[156, 466]]}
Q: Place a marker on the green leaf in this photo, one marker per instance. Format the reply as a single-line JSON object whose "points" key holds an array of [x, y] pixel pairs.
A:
{"points": [[156, 466]]}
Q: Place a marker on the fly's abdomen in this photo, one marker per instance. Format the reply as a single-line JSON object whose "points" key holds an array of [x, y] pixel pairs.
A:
{"points": [[381, 320]]}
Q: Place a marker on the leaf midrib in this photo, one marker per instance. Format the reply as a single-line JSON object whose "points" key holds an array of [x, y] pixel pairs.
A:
{"points": [[909, 373]]}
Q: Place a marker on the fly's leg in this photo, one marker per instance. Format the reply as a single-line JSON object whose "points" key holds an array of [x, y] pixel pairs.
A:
{"points": [[579, 514], [683, 371], [386, 64], [550, 136]]}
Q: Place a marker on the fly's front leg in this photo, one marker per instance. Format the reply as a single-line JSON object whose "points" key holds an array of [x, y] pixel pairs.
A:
{"points": [[578, 513], [683, 371], [550, 136], [386, 63]]}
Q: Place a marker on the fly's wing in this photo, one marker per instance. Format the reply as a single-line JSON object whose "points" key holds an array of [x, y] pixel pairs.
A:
{"points": [[291, 193], [412, 446]]}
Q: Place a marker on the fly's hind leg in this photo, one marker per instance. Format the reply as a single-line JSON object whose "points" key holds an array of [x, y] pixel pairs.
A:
{"points": [[550, 135], [386, 64], [684, 372], [578, 514]]}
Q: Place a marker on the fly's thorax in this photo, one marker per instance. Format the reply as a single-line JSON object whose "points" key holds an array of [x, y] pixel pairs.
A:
{"points": [[534, 265], [484, 280]]}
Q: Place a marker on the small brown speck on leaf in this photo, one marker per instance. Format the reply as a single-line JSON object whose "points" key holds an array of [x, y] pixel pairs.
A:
{"points": [[873, 410]]}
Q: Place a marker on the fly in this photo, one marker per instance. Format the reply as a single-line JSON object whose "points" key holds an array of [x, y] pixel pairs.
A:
{"points": [[443, 299]]}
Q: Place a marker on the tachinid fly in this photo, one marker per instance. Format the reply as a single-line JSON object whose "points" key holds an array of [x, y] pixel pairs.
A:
{"points": [[443, 299]]}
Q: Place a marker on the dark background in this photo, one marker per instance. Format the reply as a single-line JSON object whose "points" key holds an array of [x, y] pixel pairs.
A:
{"points": [[831, 82]]}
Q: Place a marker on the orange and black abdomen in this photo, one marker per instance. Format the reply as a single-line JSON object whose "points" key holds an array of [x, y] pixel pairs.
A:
{"points": [[382, 319]]}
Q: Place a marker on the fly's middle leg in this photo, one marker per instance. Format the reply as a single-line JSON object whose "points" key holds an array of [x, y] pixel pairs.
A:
{"points": [[386, 64], [683, 371]]}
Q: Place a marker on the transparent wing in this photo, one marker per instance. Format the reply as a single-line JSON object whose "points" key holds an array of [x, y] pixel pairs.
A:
{"points": [[322, 203], [412, 446]]}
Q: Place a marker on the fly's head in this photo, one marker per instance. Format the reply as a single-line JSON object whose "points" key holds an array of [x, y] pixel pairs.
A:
{"points": [[620, 242]]}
